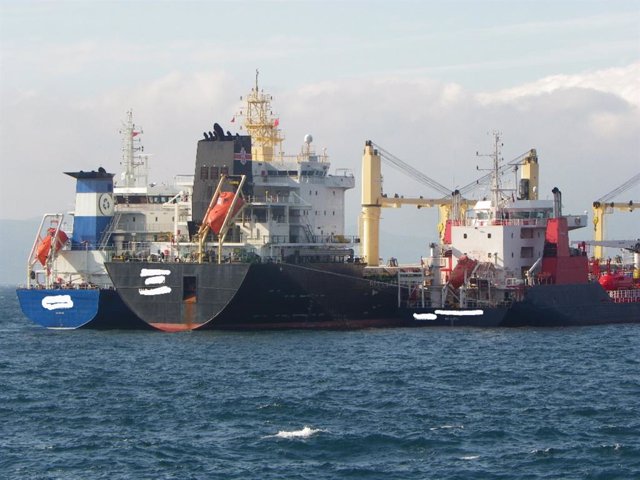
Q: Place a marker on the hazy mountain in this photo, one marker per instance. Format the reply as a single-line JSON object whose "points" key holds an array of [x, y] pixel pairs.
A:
{"points": [[16, 240]]}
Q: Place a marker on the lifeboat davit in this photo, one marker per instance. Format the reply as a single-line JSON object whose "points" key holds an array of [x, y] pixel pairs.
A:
{"points": [[218, 213], [463, 269], [45, 245], [615, 281]]}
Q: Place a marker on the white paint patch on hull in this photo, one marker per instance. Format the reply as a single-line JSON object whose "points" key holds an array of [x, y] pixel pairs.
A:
{"points": [[460, 313], [425, 316], [55, 302], [154, 291], [150, 272], [157, 280]]}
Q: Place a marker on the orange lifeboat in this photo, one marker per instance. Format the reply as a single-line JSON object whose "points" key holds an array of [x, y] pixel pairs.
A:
{"points": [[218, 213], [45, 245], [463, 269]]}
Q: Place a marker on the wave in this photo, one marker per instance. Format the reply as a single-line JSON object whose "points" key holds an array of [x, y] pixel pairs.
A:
{"points": [[306, 432], [448, 427]]}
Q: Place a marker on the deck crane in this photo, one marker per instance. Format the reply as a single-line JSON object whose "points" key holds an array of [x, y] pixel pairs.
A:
{"points": [[604, 205], [451, 204]]}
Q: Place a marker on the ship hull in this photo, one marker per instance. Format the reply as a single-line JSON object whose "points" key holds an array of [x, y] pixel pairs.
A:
{"points": [[570, 305], [457, 317], [69, 309], [187, 296], [542, 306]]}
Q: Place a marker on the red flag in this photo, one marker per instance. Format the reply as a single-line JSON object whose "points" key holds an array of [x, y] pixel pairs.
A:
{"points": [[276, 122], [133, 134], [233, 120]]}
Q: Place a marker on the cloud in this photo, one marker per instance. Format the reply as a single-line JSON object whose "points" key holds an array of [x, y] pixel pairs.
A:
{"points": [[621, 82], [578, 123]]}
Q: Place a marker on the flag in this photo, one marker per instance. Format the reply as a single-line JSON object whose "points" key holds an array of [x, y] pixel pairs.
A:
{"points": [[276, 122], [134, 133], [243, 156], [233, 120]]}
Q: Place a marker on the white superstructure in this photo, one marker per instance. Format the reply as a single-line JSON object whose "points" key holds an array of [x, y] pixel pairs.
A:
{"points": [[143, 220]]}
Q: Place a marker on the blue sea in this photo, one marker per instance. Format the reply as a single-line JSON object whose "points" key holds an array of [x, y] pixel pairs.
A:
{"points": [[370, 404]]}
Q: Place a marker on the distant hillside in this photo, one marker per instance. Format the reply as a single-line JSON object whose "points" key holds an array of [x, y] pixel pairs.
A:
{"points": [[16, 240]]}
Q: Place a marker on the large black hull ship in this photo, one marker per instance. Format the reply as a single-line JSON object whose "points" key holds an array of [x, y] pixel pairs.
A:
{"points": [[268, 250], [255, 296], [570, 305], [541, 306], [332, 296]]}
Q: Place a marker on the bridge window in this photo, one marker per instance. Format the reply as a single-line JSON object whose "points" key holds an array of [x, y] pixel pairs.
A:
{"points": [[526, 252], [526, 233]]}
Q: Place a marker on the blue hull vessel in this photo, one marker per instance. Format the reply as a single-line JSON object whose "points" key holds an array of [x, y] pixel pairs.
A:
{"points": [[68, 309]]}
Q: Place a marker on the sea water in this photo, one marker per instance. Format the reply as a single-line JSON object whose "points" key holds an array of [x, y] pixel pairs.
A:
{"points": [[371, 404]]}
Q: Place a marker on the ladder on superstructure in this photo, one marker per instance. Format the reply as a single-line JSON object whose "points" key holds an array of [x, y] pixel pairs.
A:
{"points": [[106, 235], [308, 231]]}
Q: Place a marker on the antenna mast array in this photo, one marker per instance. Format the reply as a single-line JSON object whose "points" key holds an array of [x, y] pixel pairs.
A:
{"points": [[136, 167], [260, 123]]}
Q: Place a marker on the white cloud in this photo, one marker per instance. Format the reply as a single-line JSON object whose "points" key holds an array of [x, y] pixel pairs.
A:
{"points": [[577, 123], [622, 82]]}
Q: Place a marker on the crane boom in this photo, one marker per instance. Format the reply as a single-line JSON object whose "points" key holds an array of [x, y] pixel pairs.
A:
{"points": [[621, 189], [526, 158], [451, 205], [411, 171], [604, 205]]}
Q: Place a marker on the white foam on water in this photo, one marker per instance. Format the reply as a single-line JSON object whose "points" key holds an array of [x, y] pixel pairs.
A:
{"points": [[306, 432], [150, 272], [470, 457], [615, 446], [447, 427], [542, 451]]}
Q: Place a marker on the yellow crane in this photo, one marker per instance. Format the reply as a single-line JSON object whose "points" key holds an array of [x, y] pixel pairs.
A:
{"points": [[604, 205], [451, 206]]}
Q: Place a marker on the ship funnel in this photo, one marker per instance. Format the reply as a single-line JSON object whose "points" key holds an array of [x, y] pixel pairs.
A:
{"points": [[94, 207], [557, 202]]}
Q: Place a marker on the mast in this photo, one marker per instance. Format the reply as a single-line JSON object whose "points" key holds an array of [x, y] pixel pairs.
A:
{"points": [[495, 172], [266, 137], [135, 166]]}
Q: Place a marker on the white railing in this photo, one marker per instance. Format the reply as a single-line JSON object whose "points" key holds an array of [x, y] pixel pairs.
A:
{"points": [[625, 296]]}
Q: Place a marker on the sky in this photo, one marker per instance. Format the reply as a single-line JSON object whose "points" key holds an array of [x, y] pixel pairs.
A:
{"points": [[427, 80]]}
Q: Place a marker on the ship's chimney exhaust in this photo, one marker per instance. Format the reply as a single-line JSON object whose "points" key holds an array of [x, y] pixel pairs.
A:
{"points": [[557, 202]]}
